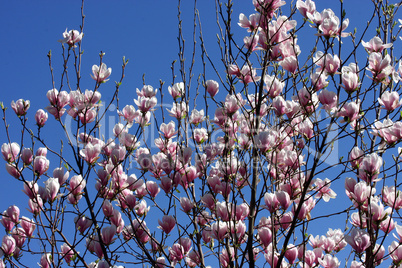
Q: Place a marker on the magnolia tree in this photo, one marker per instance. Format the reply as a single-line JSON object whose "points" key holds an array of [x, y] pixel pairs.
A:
{"points": [[247, 180]]}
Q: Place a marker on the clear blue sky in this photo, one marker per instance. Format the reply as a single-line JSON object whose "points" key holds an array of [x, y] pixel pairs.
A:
{"points": [[145, 32]]}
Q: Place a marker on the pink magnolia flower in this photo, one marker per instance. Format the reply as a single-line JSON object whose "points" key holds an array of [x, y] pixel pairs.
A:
{"points": [[291, 253], [35, 205], [375, 45], [58, 99], [28, 225], [224, 211], [129, 113], [232, 104], [41, 151], [100, 74], [52, 187], [176, 254], [197, 117], [160, 262], [380, 67], [26, 156], [251, 42], [7, 222], [10, 151], [108, 233], [145, 104], [286, 220], [370, 167], [147, 91], [306, 128], [56, 112], [141, 208], [319, 80], [41, 165], [395, 251], [200, 135], [193, 259], [82, 223], [71, 38], [251, 23], [273, 85], [355, 157], [61, 175], [265, 235], [179, 110], [186, 204], [20, 107], [77, 185], [219, 230], [328, 99], [67, 252], [91, 153], [177, 90], [19, 236], [361, 192], [350, 78], [329, 24], [392, 197], [350, 111], [289, 64], [212, 87], [271, 202], [323, 189], [41, 117], [242, 211], [327, 62], [152, 188], [390, 100], [268, 7], [305, 7], [387, 131], [329, 261], [168, 130], [8, 245], [248, 75], [107, 208], [45, 260]]}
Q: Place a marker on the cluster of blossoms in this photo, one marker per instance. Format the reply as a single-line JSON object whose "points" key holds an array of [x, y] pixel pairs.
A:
{"points": [[253, 143]]}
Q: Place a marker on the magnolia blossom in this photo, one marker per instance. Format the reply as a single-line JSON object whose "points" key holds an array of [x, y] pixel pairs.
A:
{"points": [[375, 45], [329, 24], [329, 100], [10, 151], [71, 38], [100, 74], [212, 87], [289, 64], [380, 67], [177, 90], [395, 251], [307, 7], [147, 91], [52, 188], [179, 110], [390, 100], [167, 224], [251, 23], [273, 85], [20, 107], [358, 239], [323, 189], [197, 117], [91, 153]]}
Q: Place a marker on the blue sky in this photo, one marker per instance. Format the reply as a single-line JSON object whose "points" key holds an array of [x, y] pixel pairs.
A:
{"points": [[145, 32]]}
